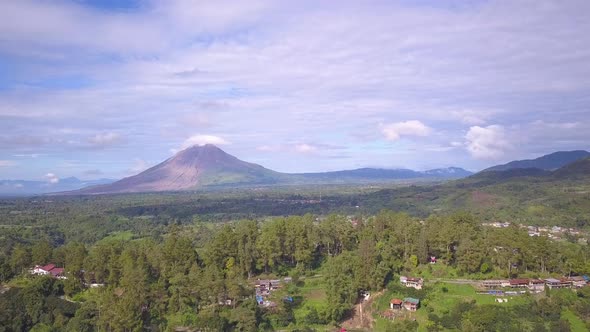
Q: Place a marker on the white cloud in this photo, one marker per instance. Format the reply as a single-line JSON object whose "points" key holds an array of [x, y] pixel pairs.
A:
{"points": [[139, 165], [196, 120], [395, 131], [52, 178], [545, 126], [305, 148], [28, 155], [487, 142], [105, 139], [267, 148], [472, 117], [203, 140], [7, 163]]}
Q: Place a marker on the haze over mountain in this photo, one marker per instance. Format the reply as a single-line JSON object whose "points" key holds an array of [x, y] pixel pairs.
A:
{"points": [[207, 165], [26, 187], [376, 174]]}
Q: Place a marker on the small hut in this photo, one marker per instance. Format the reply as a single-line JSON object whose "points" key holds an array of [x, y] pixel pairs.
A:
{"points": [[395, 304]]}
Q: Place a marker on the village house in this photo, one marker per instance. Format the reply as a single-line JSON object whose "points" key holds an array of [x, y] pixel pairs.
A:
{"points": [[416, 283], [411, 303], [536, 285], [557, 283], [266, 286], [395, 304], [494, 284], [50, 270], [519, 283], [577, 281], [263, 289]]}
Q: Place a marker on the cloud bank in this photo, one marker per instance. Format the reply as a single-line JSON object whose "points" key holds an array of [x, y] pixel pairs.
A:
{"points": [[387, 81]]}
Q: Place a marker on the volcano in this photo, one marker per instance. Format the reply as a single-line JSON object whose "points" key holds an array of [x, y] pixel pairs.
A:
{"points": [[189, 169]]}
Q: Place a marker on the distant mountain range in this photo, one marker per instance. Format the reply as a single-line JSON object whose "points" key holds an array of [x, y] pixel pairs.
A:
{"points": [[25, 187], [377, 174], [206, 166]]}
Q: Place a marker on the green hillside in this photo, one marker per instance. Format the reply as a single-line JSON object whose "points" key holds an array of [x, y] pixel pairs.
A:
{"points": [[524, 195]]}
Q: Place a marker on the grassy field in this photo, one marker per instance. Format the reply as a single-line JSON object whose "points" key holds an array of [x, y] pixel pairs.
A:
{"points": [[307, 293], [313, 295], [437, 298]]}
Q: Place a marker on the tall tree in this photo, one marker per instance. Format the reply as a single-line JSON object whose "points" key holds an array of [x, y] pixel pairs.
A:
{"points": [[20, 259], [41, 252]]}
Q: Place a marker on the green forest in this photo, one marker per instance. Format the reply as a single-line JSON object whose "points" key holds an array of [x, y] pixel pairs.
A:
{"points": [[161, 270]]}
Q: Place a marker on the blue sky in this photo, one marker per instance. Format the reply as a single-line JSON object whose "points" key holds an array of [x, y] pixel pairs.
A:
{"points": [[93, 89]]}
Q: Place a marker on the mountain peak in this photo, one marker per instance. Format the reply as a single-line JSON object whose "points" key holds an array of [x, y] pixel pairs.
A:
{"points": [[205, 148], [203, 157]]}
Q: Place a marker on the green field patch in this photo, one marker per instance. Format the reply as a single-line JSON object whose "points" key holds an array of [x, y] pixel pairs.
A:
{"points": [[576, 324]]}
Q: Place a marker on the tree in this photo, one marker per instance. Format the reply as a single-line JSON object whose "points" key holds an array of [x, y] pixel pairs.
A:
{"points": [[336, 234], [470, 255], [72, 286], [85, 319], [247, 234], [178, 254], [75, 256], [20, 259], [271, 244], [6, 271], [42, 252], [340, 286]]}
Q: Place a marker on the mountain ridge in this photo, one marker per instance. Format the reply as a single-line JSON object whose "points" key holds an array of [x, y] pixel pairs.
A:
{"points": [[205, 166], [549, 162]]}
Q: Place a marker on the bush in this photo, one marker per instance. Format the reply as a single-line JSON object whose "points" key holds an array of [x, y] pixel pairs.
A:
{"points": [[313, 317]]}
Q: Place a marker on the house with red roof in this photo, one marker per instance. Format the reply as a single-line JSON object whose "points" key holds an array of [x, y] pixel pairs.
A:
{"points": [[395, 304], [519, 283], [50, 270]]}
